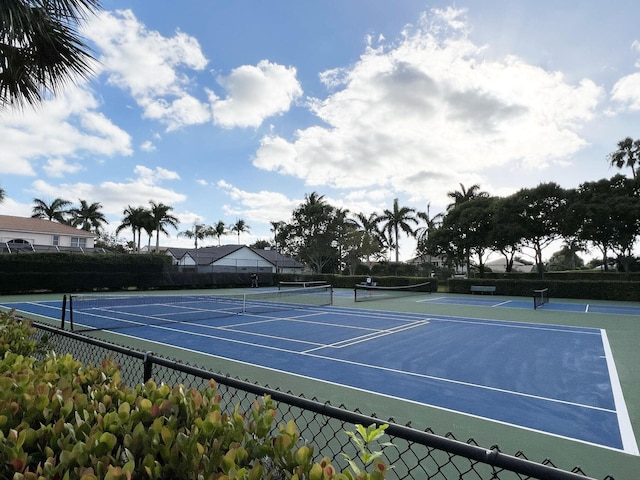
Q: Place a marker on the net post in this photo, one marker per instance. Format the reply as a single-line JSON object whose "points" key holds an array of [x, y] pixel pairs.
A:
{"points": [[148, 366], [244, 303], [71, 312], [64, 311]]}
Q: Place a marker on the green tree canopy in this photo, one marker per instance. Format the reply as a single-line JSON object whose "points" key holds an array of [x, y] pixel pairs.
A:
{"points": [[88, 217], [40, 47], [161, 219], [56, 210], [198, 232], [397, 219]]}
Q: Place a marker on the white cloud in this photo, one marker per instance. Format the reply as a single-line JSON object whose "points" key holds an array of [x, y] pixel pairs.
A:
{"points": [[429, 112], [67, 126], [115, 196], [263, 206], [151, 176], [58, 167], [147, 146], [627, 91], [255, 93], [150, 66]]}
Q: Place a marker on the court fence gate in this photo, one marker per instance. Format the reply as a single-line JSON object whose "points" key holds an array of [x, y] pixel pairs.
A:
{"points": [[416, 454]]}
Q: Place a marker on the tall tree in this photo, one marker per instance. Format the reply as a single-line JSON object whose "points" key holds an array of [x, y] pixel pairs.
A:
{"points": [[88, 217], [399, 218], [311, 235], [608, 215], [542, 211], [134, 218], [627, 155], [162, 218], [275, 229], [198, 232], [507, 230], [56, 210], [219, 230], [2, 195], [422, 233], [41, 49], [240, 227], [470, 224], [465, 194], [370, 241]]}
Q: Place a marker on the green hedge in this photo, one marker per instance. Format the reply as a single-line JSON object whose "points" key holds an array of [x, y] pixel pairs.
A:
{"points": [[594, 290], [70, 272], [587, 275]]}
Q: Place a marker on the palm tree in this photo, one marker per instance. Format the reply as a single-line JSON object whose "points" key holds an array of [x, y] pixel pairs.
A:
{"points": [[199, 232], [371, 234], [219, 230], [161, 219], [54, 211], [240, 227], [627, 155], [396, 220], [135, 219], [2, 195], [464, 195], [430, 223], [88, 217], [41, 48], [275, 228]]}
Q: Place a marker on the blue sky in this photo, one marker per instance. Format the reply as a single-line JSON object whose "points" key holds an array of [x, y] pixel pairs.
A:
{"points": [[236, 110]]}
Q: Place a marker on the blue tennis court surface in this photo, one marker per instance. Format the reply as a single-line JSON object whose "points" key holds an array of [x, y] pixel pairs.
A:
{"points": [[528, 304], [553, 379]]}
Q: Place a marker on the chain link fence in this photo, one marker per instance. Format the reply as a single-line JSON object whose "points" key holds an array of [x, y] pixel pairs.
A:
{"points": [[415, 454]]}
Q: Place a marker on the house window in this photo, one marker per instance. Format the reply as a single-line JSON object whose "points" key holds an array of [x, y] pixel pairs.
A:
{"points": [[78, 242], [56, 240]]}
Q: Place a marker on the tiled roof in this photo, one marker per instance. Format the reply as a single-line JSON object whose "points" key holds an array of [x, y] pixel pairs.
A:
{"points": [[39, 225], [276, 258]]}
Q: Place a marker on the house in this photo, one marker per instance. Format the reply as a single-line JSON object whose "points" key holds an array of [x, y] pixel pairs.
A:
{"points": [[234, 258], [499, 265], [281, 263], [24, 234]]}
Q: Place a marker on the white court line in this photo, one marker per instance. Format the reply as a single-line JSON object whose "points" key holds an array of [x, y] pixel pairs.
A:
{"points": [[629, 444], [430, 299], [381, 368], [586, 309], [371, 336], [501, 303]]}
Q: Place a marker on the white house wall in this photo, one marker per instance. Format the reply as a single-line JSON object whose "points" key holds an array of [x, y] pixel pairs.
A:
{"points": [[42, 238], [243, 257]]}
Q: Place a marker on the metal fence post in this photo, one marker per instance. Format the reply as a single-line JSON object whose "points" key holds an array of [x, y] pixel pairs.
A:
{"points": [[148, 366]]}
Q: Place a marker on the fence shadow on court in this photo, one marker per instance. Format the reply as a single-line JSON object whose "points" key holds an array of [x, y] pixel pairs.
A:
{"points": [[416, 454]]}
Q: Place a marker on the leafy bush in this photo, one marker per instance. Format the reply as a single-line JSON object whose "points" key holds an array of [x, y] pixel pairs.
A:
{"points": [[15, 336], [60, 419]]}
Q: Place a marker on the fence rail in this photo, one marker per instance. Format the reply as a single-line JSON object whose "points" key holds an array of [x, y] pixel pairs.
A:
{"points": [[416, 454]]}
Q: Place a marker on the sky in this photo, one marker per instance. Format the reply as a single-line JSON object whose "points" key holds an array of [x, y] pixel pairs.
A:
{"points": [[237, 110]]}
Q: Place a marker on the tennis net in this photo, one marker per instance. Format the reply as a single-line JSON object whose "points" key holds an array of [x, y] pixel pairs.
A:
{"points": [[112, 312], [306, 284], [540, 297], [363, 293]]}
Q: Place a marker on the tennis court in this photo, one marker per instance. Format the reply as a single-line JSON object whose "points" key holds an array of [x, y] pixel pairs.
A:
{"points": [[559, 306], [560, 380]]}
